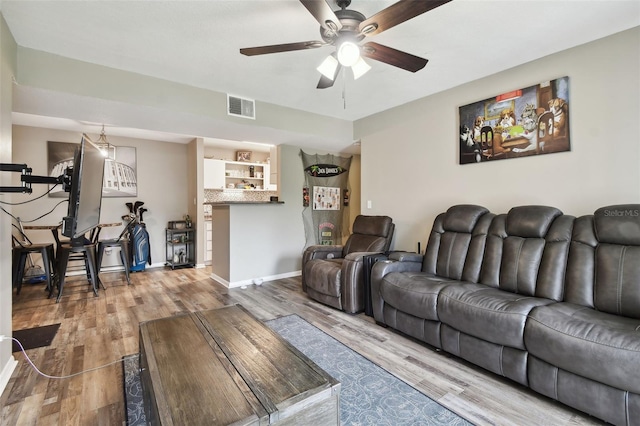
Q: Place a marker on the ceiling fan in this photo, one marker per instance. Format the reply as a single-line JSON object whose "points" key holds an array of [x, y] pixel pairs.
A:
{"points": [[345, 29]]}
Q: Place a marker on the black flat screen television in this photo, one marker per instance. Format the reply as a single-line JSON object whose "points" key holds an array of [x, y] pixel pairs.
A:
{"points": [[85, 194]]}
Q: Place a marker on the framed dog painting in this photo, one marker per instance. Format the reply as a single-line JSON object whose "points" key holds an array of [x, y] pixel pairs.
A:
{"points": [[521, 123]]}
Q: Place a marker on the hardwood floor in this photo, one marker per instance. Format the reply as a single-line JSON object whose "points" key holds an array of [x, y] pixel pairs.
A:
{"points": [[97, 330]]}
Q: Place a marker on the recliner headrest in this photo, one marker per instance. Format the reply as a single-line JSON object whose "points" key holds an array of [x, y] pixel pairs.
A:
{"points": [[463, 217], [530, 221], [372, 225], [618, 224]]}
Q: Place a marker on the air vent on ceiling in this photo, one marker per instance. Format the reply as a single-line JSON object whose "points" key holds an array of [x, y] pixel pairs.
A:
{"points": [[241, 107]]}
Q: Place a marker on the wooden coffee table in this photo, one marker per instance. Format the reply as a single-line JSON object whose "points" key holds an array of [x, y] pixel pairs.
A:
{"points": [[223, 367]]}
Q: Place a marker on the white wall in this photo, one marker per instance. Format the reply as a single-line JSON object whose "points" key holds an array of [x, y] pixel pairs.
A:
{"points": [[162, 173], [8, 61], [410, 167]]}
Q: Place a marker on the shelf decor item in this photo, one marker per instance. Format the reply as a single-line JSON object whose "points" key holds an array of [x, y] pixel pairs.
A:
{"points": [[177, 224], [243, 155]]}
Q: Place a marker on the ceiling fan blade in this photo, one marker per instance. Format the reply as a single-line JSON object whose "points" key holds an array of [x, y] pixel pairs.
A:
{"points": [[396, 14], [325, 82], [276, 48], [393, 57], [323, 13]]}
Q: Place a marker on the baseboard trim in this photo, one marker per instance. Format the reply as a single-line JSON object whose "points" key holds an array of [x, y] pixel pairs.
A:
{"points": [[7, 371], [252, 281]]}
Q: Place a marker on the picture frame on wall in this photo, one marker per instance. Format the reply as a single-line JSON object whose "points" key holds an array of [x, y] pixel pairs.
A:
{"points": [[521, 123], [120, 169], [243, 156]]}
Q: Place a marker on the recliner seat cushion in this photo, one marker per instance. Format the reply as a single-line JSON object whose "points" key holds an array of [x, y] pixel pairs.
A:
{"points": [[586, 342], [487, 313]]}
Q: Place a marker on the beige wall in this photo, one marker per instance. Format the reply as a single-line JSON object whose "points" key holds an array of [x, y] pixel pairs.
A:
{"points": [[53, 85], [163, 185], [410, 167], [8, 61]]}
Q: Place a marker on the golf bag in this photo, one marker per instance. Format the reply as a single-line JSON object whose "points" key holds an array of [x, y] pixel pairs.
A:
{"points": [[140, 248], [138, 238]]}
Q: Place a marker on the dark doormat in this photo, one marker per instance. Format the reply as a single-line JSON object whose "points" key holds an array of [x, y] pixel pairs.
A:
{"points": [[35, 337]]}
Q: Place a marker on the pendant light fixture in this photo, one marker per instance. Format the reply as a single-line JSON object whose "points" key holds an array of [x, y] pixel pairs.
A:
{"points": [[103, 144]]}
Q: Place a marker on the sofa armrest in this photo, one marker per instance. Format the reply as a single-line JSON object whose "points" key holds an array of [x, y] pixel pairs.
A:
{"points": [[357, 256], [385, 267], [319, 252], [322, 252], [405, 256]]}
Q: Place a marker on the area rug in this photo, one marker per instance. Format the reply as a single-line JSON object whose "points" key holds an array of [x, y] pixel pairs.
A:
{"points": [[36, 337], [369, 395], [133, 399]]}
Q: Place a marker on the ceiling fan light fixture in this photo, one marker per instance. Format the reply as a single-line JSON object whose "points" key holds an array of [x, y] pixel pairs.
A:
{"points": [[369, 28], [348, 53], [107, 150], [328, 67], [360, 68], [331, 26]]}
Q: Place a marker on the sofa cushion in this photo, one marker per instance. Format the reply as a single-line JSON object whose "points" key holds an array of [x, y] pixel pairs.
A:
{"points": [[487, 313], [457, 241], [583, 341], [619, 224], [531, 221], [379, 226], [415, 293], [617, 289], [527, 250], [463, 218]]}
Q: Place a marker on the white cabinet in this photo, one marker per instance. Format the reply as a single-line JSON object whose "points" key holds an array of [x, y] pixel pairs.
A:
{"points": [[214, 173], [273, 178], [269, 183]]}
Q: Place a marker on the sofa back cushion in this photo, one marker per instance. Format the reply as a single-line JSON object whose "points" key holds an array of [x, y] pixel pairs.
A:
{"points": [[456, 243], [370, 234], [617, 260], [526, 251], [581, 265]]}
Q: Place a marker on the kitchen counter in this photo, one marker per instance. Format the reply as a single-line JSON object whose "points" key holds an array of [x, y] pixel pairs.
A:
{"points": [[242, 232], [226, 203]]}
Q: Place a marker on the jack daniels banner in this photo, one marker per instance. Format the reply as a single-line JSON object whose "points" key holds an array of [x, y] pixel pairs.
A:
{"points": [[325, 194]]}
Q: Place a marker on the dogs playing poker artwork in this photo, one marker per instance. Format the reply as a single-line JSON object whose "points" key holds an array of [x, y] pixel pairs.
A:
{"points": [[520, 123]]}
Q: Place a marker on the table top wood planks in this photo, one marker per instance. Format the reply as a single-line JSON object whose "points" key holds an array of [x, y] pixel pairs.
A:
{"points": [[225, 367]]}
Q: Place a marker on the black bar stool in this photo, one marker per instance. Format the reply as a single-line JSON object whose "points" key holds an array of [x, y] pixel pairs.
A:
{"points": [[123, 243], [77, 250], [20, 253]]}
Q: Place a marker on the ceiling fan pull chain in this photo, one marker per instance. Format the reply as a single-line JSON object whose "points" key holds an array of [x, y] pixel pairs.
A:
{"points": [[344, 88]]}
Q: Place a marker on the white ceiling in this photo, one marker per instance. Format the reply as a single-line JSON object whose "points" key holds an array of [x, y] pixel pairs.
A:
{"points": [[197, 43]]}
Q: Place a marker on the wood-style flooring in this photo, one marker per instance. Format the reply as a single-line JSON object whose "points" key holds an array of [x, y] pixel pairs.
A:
{"points": [[98, 330]]}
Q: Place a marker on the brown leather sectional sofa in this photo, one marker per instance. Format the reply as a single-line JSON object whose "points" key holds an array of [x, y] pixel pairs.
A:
{"points": [[546, 299]]}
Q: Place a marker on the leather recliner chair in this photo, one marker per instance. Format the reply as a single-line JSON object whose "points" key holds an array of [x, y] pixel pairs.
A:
{"points": [[332, 274]]}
